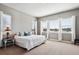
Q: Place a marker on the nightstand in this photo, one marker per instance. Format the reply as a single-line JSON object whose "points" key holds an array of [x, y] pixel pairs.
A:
{"points": [[8, 42]]}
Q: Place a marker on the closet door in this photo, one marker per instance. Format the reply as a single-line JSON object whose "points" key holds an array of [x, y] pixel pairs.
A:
{"points": [[53, 29]]}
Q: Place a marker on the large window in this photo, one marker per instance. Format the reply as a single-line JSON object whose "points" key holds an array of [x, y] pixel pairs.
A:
{"points": [[6, 20], [44, 25], [54, 25], [66, 24], [61, 28]]}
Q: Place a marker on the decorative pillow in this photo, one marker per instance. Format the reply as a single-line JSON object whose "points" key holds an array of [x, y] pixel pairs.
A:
{"points": [[19, 34], [29, 33], [25, 34]]}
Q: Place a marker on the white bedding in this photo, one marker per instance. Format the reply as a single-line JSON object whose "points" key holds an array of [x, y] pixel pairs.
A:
{"points": [[29, 42]]}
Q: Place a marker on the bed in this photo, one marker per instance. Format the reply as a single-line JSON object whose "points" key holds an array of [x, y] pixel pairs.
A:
{"points": [[30, 42]]}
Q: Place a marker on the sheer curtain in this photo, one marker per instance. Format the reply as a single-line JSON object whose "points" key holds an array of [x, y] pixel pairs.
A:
{"points": [[62, 28]]}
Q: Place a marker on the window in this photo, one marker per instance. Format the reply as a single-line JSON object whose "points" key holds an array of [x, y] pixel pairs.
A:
{"points": [[54, 25], [44, 25], [66, 24], [61, 28], [34, 27], [6, 20]]}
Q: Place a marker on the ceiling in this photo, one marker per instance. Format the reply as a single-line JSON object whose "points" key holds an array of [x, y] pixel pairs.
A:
{"points": [[42, 9]]}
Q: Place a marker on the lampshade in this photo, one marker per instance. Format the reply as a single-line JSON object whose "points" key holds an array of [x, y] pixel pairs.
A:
{"points": [[7, 28]]}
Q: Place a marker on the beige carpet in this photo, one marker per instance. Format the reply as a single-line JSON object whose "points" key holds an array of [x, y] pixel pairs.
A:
{"points": [[55, 48]]}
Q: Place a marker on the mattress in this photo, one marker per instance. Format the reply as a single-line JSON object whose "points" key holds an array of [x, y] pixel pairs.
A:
{"points": [[31, 41]]}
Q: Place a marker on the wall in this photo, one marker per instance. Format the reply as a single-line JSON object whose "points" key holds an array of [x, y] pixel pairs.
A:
{"points": [[38, 25], [74, 12], [20, 21]]}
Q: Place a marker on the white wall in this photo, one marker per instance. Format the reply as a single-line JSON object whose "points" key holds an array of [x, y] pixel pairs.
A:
{"points": [[20, 21], [23, 24]]}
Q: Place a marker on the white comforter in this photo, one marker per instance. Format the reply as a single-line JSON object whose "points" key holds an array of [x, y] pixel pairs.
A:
{"points": [[29, 42]]}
